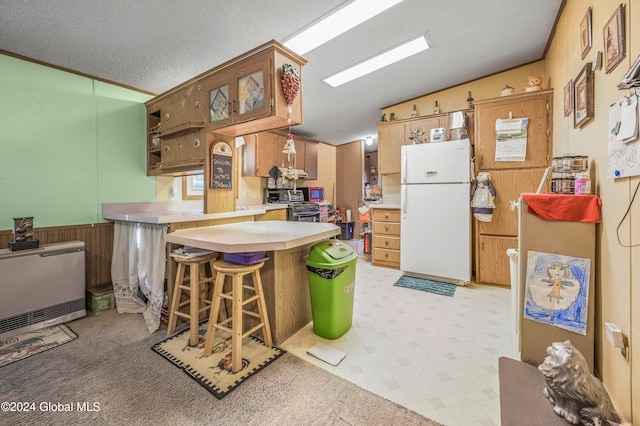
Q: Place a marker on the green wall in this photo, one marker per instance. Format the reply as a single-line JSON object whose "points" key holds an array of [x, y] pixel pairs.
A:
{"points": [[68, 144]]}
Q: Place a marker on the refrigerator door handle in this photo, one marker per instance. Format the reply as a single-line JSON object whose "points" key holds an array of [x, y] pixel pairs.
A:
{"points": [[404, 168], [403, 207]]}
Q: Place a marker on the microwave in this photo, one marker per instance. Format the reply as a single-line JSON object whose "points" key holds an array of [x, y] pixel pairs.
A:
{"points": [[316, 194]]}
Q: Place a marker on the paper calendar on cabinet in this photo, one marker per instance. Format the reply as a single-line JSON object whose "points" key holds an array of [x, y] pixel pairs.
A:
{"points": [[511, 139]]}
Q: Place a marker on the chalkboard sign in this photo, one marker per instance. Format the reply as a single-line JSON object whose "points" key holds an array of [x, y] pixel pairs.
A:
{"points": [[221, 166]]}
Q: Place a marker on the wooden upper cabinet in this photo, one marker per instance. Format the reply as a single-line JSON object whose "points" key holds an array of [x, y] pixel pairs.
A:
{"points": [[184, 149], [240, 97], [252, 88], [263, 150], [184, 110], [536, 107], [219, 95], [306, 157], [391, 137], [311, 160], [424, 125], [239, 94], [282, 159], [259, 154]]}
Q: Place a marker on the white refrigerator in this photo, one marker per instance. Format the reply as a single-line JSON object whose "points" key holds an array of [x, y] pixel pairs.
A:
{"points": [[435, 220]]}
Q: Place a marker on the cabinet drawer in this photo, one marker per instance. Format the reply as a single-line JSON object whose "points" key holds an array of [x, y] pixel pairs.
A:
{"points": [[386, 242], [383, 255], [381, 215], [387, 228]]}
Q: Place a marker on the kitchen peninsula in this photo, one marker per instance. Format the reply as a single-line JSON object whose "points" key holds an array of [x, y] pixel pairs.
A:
{"points": [[284, 274]]}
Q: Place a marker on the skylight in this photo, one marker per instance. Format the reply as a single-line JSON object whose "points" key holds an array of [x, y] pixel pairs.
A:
{"points": [[336, 23], [380, 61]]}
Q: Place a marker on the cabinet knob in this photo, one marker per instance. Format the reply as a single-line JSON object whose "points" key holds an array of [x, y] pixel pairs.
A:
{"points": [[166, 148], [386, 243], [197, 104], [386, 255], [167, 116], [196, 142]]}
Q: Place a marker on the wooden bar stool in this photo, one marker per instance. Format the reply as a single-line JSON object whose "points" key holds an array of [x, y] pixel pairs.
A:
{"points": [[196, 286], [237, 272]]}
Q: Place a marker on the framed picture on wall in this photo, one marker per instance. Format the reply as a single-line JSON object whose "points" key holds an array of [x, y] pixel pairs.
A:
{"points": [[568, 98], [583, 97], [613, 33], [585, 34]]}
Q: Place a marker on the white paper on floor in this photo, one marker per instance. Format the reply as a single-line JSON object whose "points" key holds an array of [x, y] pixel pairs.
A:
{"points": [[326, 353]]}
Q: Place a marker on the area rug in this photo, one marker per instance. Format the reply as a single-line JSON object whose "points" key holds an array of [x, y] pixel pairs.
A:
{"points": [[214, 372], [431, 286], [28, 344]]}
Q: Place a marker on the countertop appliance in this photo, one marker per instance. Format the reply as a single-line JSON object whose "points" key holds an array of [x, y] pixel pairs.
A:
{"points": [[435, 219], [298, 209], [304, 212], [41, 287], [316, 194], [283, 196]]}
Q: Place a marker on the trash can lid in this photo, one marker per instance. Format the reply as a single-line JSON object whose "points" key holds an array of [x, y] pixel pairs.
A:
{"points": [[330, 252], [338, 250]]}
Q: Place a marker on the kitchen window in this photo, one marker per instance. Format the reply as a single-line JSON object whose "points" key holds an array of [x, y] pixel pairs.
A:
{"points": [[193, 187]]}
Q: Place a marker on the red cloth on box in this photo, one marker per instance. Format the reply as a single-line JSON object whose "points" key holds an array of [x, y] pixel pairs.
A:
{"points": [[565, 207]]}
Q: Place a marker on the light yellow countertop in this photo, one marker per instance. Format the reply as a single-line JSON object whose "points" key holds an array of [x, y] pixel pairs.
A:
{"points": [[173, 212], [384, 206], [267, 235]]}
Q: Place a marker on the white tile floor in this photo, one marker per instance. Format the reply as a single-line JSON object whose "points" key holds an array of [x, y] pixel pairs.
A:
{"points": [[436, 355]]}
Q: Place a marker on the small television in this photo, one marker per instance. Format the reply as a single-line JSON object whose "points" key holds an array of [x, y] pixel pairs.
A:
{"points": [[316, 194]]}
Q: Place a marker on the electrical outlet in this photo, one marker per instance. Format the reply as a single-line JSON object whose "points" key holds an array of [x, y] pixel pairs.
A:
{"points": [[614, 335]]}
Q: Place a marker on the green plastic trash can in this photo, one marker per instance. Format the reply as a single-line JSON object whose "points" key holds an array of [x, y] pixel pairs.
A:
{"points": [[332, 278]]}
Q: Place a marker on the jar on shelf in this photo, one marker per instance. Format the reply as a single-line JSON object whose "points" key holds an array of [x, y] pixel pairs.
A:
{"points": [[583, 185], [568, 185], [557, 165]]}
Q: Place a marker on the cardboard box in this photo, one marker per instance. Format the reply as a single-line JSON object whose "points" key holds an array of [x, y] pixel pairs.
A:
{"points": [[100, 299]]}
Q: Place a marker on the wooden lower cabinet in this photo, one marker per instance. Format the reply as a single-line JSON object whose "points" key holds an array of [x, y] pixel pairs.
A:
{"points": [[276, 214], [495, 237], [494, 266], [509, 184], [385, 238]]}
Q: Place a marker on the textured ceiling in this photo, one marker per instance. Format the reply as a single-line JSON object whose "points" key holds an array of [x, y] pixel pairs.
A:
{"points": [[154, 45]]}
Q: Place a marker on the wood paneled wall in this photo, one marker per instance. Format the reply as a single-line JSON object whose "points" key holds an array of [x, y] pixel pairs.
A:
{"points": [[98, 240]]}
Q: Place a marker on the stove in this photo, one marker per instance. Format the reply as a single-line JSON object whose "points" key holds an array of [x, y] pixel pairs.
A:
{"points": [[303, 211]]}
